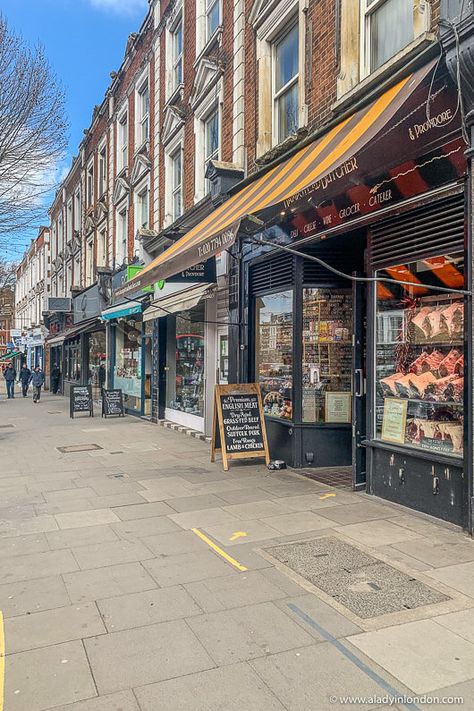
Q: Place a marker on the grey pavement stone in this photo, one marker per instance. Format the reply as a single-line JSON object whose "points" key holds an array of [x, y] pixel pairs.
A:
{"points": [[147, 608], [232, 688], [203, 518], [423, 655], [326, 616], [461, 623], [194, 503], [439, 552], [38, 524], [58, 674], [140, 528], [355, 513], [254, 530], [233, 591], [284, 582], [43, 629], [464, 692], [306, 678], [308, 502], [99, 555], [113, 500], [65, 495], [65, 507], [377, 533], [22, 545], [164, 489], [17, 512], [145, 655], [36, 565], [247, 633], [32, 595], [169, 544], [409, 561], [85, 536], [142, 510], [258, 509], [460, 577], [107, 582], [296, 522], [243, 496], [96, 517], [121, 701], [187, 568]]}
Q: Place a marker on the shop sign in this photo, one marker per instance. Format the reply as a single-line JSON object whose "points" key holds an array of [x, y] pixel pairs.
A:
{"points": [[80, 400], [238, 429], [87, 304], [394, 420], [112, 403], [338, 407]]}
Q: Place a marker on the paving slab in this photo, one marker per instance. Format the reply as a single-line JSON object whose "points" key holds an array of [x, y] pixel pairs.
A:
{"points": [[99, 555], [32, 595], [169, 544], [377, 533], [58, 674], [460, 577], [243, 496], [297, 522], [423, 655], [354, 513], [85, 536], [233, 591], [141, 528], [43, 629], [121, 701], [300, 677], [65, 495], [461, 623], [21, 527], [308, 502], [113, 500], [96, 517], [36, 565], [145, 655], [233, 688], [188, 567], [247, 633], [203, 518], [195, 503], [147, 608], [259, 509], [438, 552], [326, 616], [142, 510], [254, 530], [113, 580], [22, 545], [65, 507]]}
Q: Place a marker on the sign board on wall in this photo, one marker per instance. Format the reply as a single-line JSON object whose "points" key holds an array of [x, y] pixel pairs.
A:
{"points": [[238, 429]]}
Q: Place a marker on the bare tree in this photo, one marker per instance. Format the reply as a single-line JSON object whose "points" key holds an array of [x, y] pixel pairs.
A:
{"points": [[33, 133], [7, 274]]}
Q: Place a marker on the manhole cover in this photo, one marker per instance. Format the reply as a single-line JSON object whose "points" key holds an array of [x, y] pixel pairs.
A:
{"points": [[2, 427], [365, 585], [78, 448]]}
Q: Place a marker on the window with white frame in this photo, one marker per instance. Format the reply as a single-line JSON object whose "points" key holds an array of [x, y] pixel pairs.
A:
{"points": [[211, 141], [69, 221], [90, 184], [102, 170], [177, 54], [176, 184], [102, 248], [77, 210], [143, 113], [77, 269], [142, 208], [60, 235], [90, 262], [387, 28], [285, 64], [213, 17], [121, 232], [122, 142]]}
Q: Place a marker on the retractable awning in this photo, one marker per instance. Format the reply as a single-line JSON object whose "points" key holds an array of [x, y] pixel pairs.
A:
{"points": [[56, 340], [126, 309], [9, 356], [393, 128], [180, 301]]}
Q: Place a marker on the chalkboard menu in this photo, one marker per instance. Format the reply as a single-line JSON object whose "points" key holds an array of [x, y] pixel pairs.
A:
{"points": [[112, 403], [80, 400], [238, 430]]}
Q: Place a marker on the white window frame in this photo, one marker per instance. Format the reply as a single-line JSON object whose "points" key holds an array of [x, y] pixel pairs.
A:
{"points": [[90, 261], [367, 9], [142, 191], [142, 131], [69, 218], [276, 95], [90, 192], [102, 247], [121, 245], [77, 209], [102, 169], [176, 189], [176, 59], [122, 141], [208, 156], [209, 5]]}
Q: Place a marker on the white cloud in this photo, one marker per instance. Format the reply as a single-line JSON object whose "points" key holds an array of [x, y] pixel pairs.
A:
{"points": [[122, 7]]}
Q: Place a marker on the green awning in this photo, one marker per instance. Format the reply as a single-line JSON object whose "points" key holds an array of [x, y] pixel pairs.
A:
{"points": [[9, 356]]}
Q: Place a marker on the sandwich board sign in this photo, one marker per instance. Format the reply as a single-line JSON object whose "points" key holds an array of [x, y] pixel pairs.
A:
{"points": [[112, 403], [238, 428], [80, 400]]}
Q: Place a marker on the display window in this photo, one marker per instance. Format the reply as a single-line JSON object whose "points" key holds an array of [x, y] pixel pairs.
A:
{"points": [[73, 361], [420, 356], [97, 373], [327, 355], [274, 353], [185, 361], [128, 360]]}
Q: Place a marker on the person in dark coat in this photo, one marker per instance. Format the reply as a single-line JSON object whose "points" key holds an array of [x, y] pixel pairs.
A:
{"points": [[55, 378], [37, 380], [24, 379], [10, 376]]}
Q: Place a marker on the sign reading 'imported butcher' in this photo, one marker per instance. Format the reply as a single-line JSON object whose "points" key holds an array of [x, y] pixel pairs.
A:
{"points": [[239, 425]]}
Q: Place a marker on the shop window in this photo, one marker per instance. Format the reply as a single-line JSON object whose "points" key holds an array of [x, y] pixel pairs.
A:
{"points": [[73, 362], [185, 360], [274, 353], [128, 362], [285, 84], [97, 374], [327, 355], [388, 26], [420, 356]]}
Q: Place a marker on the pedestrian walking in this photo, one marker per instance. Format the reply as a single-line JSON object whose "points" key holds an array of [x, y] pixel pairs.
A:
{"points": [[24, 379], [55, 378], [37, 380], [10, 375]]}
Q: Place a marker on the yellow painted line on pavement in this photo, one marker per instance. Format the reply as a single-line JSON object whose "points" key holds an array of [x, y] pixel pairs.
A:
{"points": [[326, 496], [218, 550], [237, 534], [2, 661]]}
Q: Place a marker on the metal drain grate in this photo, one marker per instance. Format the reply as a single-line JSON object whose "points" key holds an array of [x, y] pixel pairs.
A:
{"points": [[365, 585], [78, 448]]}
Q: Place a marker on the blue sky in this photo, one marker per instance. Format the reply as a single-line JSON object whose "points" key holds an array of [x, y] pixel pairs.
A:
{"points": [[84, 41]]}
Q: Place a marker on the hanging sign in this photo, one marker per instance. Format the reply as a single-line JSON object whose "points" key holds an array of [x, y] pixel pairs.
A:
{"points": [[394, 420], [238, 429], [112, 402], [80, 400]]}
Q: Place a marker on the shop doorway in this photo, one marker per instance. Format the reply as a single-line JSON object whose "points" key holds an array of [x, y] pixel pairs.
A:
{"points": [[359, 384]]}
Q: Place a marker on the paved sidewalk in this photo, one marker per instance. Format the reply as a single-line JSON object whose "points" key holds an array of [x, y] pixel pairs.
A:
{"points": [[139, 576]]}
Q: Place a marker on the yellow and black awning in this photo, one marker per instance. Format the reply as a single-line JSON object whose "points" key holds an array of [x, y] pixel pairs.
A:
{"points": [[379, 134]]}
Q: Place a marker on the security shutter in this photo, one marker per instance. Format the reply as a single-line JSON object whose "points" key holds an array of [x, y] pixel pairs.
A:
{"points": [[272, 273], [431, 230]]}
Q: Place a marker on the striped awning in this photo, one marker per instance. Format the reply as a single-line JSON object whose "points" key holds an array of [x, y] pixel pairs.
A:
{"points": [[392, 127]]}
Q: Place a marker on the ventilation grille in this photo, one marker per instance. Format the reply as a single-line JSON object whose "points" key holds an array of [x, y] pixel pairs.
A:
{"points": [[315, 274], [275, 273], [427, 231]]}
